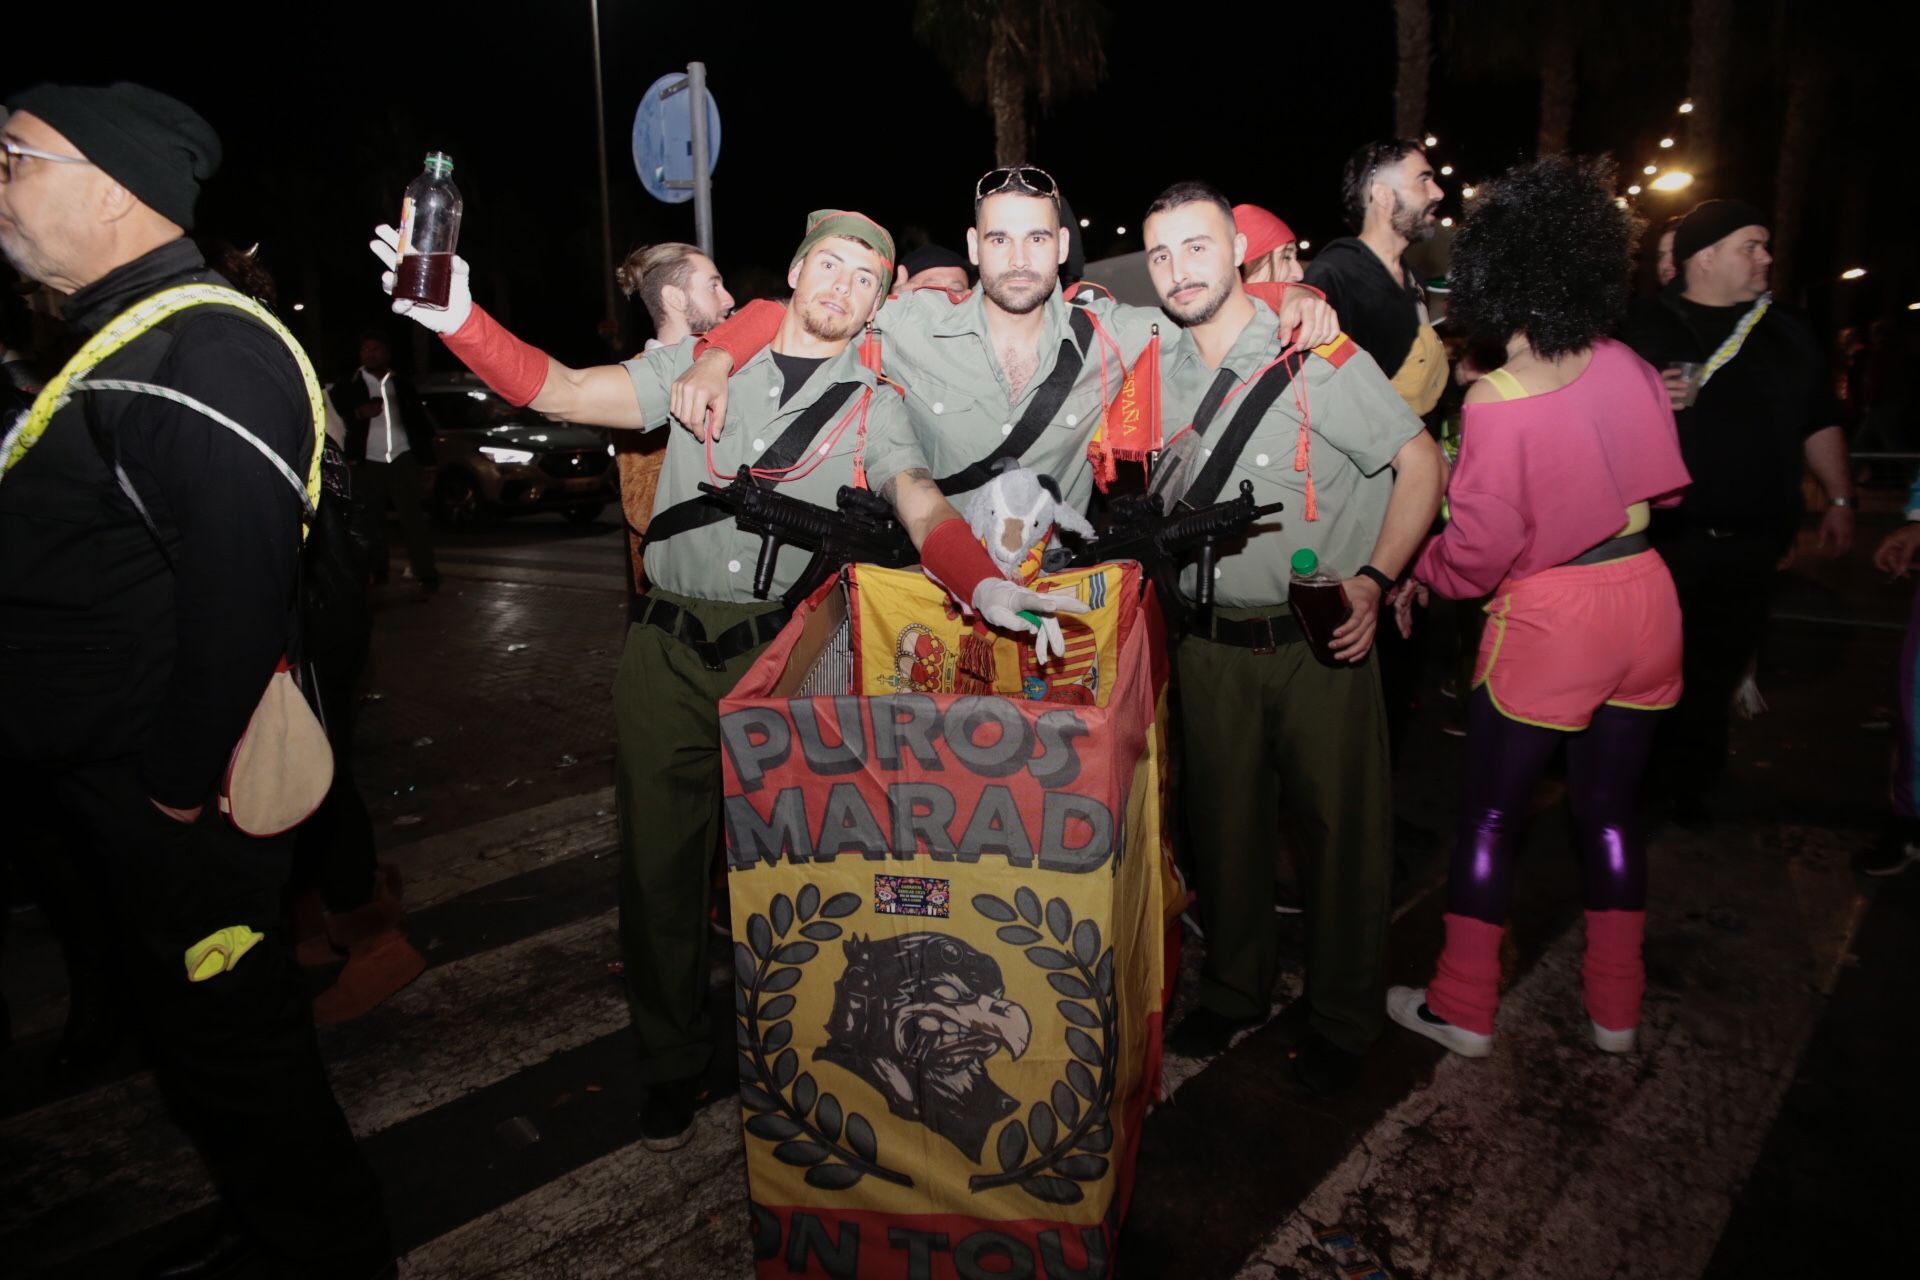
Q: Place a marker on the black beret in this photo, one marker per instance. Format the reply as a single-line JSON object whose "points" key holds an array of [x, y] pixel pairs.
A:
{"points": [[929, 256], [155, 146], [1710, 222]]}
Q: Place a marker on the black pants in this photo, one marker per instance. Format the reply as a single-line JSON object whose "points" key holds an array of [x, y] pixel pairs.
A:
{"points": [[234, 1054], [398, 482], [1725, 585], [334, 848]]}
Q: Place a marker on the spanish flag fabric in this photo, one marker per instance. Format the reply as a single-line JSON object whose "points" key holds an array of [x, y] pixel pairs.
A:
{"points": [[1130, 430]]}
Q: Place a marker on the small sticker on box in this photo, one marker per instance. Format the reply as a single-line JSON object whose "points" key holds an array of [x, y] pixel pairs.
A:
{"points": [[910, 896]]}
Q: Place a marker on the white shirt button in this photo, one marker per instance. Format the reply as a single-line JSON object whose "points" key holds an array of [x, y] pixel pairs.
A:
{"points": [[733, 566], [1006, 428], [773, 393], [1259, 459], [759, 445], [939, 407], [1073, 419], [823, 450], [1216, 572], [1205, 452]]}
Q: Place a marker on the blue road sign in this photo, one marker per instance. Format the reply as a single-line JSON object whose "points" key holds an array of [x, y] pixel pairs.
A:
{"points": [[663, 139]]}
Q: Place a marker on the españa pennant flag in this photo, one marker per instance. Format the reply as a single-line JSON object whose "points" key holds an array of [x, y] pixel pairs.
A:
{"points": [[1130, 430]]}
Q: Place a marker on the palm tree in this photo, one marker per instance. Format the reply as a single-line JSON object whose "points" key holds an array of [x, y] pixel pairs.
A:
{"points": [[1010, 53], [1559, 81], [1413, 27]]}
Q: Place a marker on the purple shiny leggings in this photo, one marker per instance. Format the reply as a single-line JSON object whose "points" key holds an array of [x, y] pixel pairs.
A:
{"points": [[1605, 762]]}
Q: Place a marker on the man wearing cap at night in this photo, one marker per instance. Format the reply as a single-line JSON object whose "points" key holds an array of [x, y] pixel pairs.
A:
{"points": [[1273, 251], [1755, 406], [806, 418], [932, 266], [147, 568], [1014, 369]]}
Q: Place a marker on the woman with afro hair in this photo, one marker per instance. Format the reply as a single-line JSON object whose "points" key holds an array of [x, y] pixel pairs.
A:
{"points": [[1562, 451]]}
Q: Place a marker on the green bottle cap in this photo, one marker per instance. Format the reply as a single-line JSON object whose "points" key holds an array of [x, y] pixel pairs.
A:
{"points": [[1305, 562], [439, 163]]}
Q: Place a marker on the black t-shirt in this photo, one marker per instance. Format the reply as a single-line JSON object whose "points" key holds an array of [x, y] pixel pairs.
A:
{"points": [[1744, 437], [1381, 314], [794, 372]]}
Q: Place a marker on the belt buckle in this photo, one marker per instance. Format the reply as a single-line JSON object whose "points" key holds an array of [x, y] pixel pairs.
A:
{"points": [[709, 654], [1265, 628]]}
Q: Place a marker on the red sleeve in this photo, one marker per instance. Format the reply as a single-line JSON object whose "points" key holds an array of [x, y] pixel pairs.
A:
{"points": [[511, 367], [954, 558], [1274, 292], [745, 332]]}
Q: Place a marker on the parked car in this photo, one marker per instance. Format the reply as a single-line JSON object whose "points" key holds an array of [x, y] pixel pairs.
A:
{"points": [[495, 459]]}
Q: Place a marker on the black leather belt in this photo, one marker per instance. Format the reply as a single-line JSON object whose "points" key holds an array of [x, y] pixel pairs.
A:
{"points": [[1631, 544], [1262, 634], [682, 625]]}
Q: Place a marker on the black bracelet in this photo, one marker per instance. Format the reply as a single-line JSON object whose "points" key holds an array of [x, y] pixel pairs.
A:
{"points": [[1380, 579]]}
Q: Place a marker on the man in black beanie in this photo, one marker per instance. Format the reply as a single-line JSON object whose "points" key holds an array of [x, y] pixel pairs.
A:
{"points": [[1754, 403], [147, 566]]}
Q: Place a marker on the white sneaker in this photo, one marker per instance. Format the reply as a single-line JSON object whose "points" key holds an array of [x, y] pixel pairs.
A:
{"points": [[1408, 1007], [1613, 1041]]}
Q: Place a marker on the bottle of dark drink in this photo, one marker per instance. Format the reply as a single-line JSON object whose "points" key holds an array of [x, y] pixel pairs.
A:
{"points": [[429, 234], [1319, 603]]}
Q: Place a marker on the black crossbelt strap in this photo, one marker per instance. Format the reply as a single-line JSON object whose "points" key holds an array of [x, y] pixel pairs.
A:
{"points": [[1226, 451], [697, 513], [1039, 415]]}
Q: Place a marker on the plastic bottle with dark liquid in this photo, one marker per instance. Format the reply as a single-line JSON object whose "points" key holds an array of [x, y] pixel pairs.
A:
{"points": [[1319, 604], [429, 235]]}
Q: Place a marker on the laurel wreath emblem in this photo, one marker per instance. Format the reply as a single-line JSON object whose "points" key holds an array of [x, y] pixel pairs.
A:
{"points": [[810, 1128], [1069, 1134]]}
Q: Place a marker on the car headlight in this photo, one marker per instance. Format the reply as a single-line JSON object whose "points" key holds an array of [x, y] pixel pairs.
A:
{"points": [[507, 457]]}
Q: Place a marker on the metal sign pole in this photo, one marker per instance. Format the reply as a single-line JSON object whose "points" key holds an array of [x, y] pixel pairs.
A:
{"points": [[702, 170], [606, 211]]}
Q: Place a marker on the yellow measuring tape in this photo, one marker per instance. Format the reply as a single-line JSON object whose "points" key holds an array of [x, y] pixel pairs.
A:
{"points": [[139, 319]]}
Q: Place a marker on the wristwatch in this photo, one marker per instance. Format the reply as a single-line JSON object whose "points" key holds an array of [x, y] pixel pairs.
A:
{"points": [[1380, 579], [1846, 504]]}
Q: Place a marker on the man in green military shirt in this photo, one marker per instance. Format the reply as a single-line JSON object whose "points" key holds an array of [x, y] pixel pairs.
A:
{"points": [[1267, 726], [1011, 370], [806, 413]]}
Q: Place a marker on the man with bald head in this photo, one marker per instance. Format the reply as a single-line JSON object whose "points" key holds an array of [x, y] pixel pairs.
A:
{"points": [[147, 567]]}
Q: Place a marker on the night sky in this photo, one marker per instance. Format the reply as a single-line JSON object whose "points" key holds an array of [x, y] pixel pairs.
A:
{"points": [[327, 110]]}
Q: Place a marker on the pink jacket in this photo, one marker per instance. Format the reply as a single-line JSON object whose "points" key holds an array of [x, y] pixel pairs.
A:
{"points": [[1543, 478]]}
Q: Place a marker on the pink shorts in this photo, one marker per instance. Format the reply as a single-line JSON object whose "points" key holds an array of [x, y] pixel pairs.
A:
{"points": [[1565, 641]]}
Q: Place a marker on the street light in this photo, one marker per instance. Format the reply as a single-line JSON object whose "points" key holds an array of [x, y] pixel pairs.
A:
{"points": [[1446, 222], [1686, 108], [1672, 180], [1085, 223], [1466, 193], [1634, 190], [1432, 141], [1665, 143], [1913, 306], [1853, 273], [1308, 244], [299, 306], [1446, 171], [1651, 169], [1119, 231], [1620, 202]]}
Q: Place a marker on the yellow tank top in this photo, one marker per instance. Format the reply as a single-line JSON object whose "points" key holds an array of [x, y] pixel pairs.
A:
{"points": [[1639, 515]]}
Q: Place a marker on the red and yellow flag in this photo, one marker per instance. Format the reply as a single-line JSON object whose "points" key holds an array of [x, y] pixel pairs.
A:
{"points": [[1130, 430]]}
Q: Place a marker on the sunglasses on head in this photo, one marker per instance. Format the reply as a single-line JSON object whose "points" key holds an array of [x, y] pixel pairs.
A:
{"points": [[1020, 177]]}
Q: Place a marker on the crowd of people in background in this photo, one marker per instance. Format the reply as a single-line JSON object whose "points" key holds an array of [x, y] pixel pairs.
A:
{"points": [[1623, 479]]}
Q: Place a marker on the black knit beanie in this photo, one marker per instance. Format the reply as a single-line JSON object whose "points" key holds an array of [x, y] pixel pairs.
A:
{"points": [[155, 146]]}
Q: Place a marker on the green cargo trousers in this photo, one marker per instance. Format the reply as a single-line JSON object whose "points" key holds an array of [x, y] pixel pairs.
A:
{"points": [[1268, 734], [667, 714]]}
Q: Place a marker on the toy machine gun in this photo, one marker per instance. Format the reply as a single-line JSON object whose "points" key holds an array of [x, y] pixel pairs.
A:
{"points": [[861, 529], [1161, 533]]}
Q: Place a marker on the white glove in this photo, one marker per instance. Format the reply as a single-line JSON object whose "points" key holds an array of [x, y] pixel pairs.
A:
{"points": [[1001, 603], [459, 295]]}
